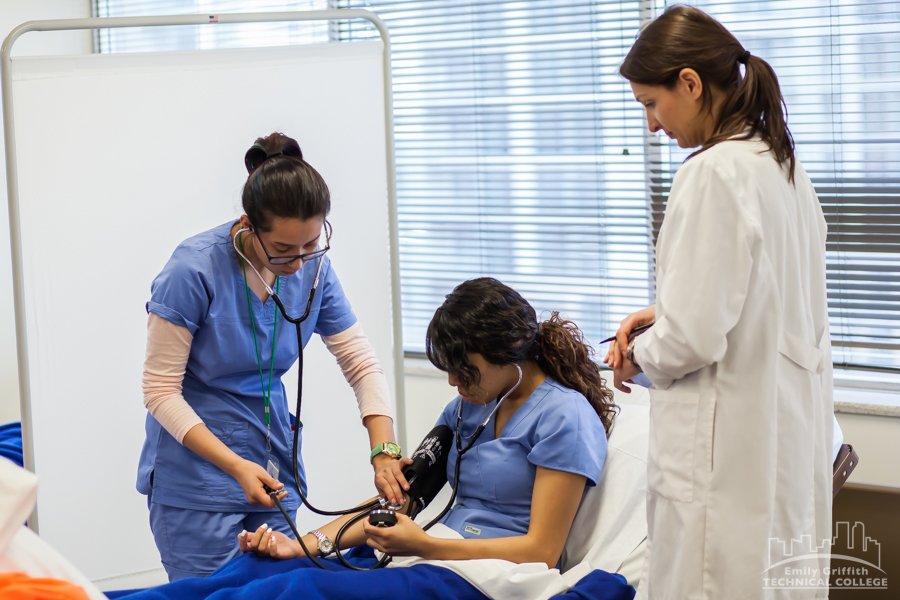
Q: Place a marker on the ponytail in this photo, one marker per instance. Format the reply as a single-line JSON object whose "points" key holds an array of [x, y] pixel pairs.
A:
{"points": [[757, 102], [566, 357], [684, 37]]}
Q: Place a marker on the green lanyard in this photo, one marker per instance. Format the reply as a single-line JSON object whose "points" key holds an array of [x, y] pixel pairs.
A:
{"points": [[266, 390]]}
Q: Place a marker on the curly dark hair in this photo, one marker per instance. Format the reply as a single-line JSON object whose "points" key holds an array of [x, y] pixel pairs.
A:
{"points": [[484, 316]]}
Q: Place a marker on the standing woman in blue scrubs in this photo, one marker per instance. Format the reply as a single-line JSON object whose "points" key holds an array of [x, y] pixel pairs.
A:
{"points": [[217, 348]]}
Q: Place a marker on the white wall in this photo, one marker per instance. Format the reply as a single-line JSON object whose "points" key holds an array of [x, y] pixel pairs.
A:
{"points": [[12, 13]]}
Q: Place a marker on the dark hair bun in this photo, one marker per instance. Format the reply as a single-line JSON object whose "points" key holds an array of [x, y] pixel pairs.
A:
{"points": [[281, 183]]}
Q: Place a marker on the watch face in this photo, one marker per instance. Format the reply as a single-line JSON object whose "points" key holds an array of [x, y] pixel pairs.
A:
{"points": [[325, 546], [392, 449]]}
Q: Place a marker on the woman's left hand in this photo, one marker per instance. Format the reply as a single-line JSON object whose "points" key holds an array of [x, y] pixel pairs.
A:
{"points": [[405, 538], [266, 542], [623, 374], [389, 477]]}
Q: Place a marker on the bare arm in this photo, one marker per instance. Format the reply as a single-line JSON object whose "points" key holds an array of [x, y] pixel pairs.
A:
{"points": [[555, 501]]}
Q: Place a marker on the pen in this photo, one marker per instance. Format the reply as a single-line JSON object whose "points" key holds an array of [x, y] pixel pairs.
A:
{"points": [[633, 333]]}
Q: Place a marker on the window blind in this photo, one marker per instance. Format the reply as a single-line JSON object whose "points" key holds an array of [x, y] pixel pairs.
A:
{"points": [[201, 37], [522, 155], [519, 155], [840, 76]]}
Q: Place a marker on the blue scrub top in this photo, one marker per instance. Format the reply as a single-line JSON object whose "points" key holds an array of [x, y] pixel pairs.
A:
{"points": [[555, 428], [202, 288]]}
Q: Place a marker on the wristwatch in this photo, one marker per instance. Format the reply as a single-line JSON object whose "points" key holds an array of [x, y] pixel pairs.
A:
{"points": [[389, 448], [629, 354], [325, 545]]}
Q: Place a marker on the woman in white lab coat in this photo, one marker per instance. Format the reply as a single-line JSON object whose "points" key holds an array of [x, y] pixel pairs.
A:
{"points": [[739, 355]]}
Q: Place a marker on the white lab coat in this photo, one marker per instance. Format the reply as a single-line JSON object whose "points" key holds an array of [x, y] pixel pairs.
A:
{"points": [[740, 358]]}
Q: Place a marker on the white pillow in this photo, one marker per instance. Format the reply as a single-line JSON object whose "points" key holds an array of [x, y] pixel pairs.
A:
{"points": [[18, 493], [20, 548], [611, 522]]}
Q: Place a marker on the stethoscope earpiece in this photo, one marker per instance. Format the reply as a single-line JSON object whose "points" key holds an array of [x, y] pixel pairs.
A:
{"points": [[234, 243]]}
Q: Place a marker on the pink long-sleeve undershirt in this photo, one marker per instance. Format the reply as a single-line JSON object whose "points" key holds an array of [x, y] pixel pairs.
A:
{"points": [[168, 348]]}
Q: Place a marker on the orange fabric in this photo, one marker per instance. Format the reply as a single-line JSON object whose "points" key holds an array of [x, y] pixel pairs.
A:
{"points": [[20, 586]]}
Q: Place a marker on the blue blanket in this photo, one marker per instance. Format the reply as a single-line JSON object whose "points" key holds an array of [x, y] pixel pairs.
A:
{"points": [[250, 577], [11, 442]]}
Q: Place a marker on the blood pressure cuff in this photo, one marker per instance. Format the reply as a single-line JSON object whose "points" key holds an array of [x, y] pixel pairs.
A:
{"points": [[427, 474]]}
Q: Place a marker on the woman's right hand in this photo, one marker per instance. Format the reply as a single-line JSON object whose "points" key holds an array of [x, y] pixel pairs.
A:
{"points": [[266, 542], [616, 354], [251, 477]]}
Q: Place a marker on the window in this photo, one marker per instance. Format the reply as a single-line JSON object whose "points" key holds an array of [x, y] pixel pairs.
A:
{"points": [[522, 155], [519, 155]]}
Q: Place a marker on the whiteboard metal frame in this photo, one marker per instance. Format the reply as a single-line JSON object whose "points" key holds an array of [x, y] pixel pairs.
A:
{"points": [[12, 183]]}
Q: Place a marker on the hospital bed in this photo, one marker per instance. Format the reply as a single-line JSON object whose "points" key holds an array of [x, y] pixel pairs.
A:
{"points": [[609, 532]]}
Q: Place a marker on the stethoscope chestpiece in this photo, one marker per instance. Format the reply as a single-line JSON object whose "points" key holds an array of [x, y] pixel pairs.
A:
{"points": [[383, 518]]}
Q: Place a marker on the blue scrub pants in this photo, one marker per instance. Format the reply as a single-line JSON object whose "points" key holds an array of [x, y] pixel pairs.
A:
{"points": [[194, 543]]}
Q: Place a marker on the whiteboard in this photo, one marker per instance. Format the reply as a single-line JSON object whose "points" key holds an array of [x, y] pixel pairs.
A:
{"points": [[120, 158]]}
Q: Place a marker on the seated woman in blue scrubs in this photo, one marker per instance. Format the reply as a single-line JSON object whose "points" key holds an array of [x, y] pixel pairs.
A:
{"points": [[216, 351], [521, 483]]}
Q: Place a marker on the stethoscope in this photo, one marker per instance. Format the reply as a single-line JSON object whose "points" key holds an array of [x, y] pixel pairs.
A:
{"points": [[387, 511], [271, 292], [297, 321], [379, 507], [460, 450]]}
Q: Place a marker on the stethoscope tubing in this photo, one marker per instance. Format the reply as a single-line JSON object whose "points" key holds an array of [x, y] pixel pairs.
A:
{"points": [[480, 428], [460, 451], [297, 321], [365, 509]]}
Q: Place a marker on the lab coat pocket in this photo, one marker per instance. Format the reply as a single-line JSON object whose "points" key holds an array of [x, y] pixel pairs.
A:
{"points": [[673, 426], [802, 353]]}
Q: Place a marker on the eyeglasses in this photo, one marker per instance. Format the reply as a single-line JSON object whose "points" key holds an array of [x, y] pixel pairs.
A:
{"points": [[283, 260], [257, 155]]}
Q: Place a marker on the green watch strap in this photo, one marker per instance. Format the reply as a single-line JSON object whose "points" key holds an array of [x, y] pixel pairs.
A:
{"points": [[389, 448]]}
